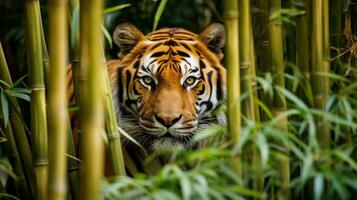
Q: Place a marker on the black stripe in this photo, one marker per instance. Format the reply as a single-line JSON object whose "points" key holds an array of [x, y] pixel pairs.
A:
{"points": [[120, 85], [202, 64], [185, 46], [183, 54], [137, 64], [219, 86], [158, 54], [170, 43]]}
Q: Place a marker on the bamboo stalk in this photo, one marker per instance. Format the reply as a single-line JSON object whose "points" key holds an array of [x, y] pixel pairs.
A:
{"points": [[73, 169], [245, 60], [326, 46], [73, 174], [232, 63], [91, 106], [38, 101], [258, 180], [264, 57], [111, 126], [303, 49], [319, 80], [279, 103], [57, 101], [336, 23]]}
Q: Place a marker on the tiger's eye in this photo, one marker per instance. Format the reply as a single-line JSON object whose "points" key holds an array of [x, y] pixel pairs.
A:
{"points": [[190, 81], [148, 80]]}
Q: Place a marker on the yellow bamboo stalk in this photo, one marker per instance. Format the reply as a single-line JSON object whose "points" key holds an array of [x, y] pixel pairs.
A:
{"points": [[245, 59], [275, 31], [302, 49], [38, 101], [319, 80], [233, 81], [111, 126], [57, 101], [91, 106]]}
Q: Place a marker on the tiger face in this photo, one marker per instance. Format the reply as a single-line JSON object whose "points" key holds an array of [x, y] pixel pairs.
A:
{"points": [[169, 82]]}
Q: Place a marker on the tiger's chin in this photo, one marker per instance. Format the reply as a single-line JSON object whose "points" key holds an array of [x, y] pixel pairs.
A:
{"points": [[171, 143]]}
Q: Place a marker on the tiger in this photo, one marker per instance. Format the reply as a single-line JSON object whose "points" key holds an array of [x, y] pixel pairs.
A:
{"points": [[165, 86], [167, 83]]}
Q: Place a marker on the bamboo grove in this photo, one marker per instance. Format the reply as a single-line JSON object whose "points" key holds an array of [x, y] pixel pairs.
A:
{"points": [[291, 109]]}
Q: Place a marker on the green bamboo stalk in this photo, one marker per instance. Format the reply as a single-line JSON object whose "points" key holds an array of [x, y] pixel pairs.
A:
{"points": [[336, 23], [232, 63], [258, 180], [279, 103], [38, 101], [45, 57], [111, 126], [319, 80], [92, 147], [264, 56], [303, 49], [326, 45], [245, 59], [57, 101]]}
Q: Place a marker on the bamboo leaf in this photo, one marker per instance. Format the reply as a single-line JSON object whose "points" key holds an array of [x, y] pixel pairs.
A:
{"points": [[318, 186], [158, 13], [127, 136], [4, 108], [116, 8], [293, 98], [19, 81], [4, 83], [263, 147], [107, 36], [18, 94]]}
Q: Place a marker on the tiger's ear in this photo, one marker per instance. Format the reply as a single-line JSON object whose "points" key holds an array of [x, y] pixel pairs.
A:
{"points": [[214, 37], [126, 36]]}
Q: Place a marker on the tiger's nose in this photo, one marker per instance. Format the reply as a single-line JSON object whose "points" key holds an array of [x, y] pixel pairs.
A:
{"points": [[167, 120]]}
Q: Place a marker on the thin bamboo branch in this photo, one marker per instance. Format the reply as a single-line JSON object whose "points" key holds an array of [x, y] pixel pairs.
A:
{"points": [[111, 126]]}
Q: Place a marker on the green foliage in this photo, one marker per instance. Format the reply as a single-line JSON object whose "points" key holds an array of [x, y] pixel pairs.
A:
{"points": [[6, 92], [207, 174]]}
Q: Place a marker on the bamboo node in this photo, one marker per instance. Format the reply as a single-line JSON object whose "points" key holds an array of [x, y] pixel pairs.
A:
{"points": [[40, 163], [244, 65], [37, 89], [73, 169], [113, 136], [230, 15]]}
